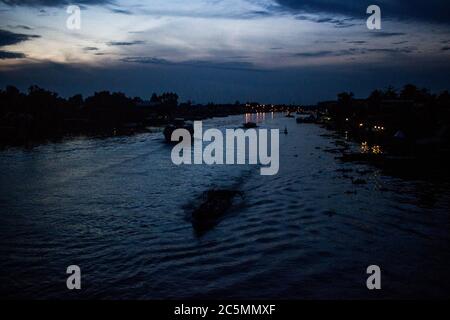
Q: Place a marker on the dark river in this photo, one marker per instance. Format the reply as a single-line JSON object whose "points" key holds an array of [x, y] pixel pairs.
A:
{"points": [[119, 209]]}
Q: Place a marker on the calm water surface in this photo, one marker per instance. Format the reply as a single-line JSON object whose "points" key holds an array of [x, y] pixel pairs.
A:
{"points": [[119, 209]]}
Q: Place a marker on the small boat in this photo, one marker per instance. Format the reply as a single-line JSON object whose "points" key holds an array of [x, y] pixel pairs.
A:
{"points": [[214, 206], [249, 125], [177, 124], [285, 130], [289, 115], [306, 119]]}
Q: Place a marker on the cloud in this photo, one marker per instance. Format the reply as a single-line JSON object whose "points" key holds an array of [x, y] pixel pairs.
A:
{"points": [[20, 27], [125, 43], [11, 55], [393, 50], [193, 63], [354, 51], [400, 42], [337, 22], [146, 60], [241, 9], [247, 66], [121, 11], [53, 3], [256, 14], [383, 34], [8, 38], [90, 48], [316, 54], [357, 42], [431, 10]]}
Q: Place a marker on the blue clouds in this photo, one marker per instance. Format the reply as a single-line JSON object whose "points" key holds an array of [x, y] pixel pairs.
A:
{"points": [[11, 55], [8, 38], [240, 9], [355, 51], [384, 34], [246, 66], [121, 11], [338, 22], [125, 43], [52, 3], [430, 10]]}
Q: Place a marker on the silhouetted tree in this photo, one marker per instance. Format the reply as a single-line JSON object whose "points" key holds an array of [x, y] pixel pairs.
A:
{"points": [[409, 92], [345, 98], [169, 99], [154, 98], [76, 100], [390, 93]]}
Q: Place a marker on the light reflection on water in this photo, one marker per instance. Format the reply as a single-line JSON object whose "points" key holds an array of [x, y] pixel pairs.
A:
{"points": [[118, 208], [258, 117], [366, 148]]}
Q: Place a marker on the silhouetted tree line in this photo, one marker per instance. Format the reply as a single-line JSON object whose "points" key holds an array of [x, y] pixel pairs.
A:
{"points": [[40, 114], [411, 114], [168, 99]]}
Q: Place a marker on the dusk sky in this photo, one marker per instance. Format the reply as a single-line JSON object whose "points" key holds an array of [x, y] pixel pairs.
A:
{"points": [[286, 51]]}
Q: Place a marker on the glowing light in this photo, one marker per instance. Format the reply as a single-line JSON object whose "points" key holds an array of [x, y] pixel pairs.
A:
{"points": [[364, 147], [376, 149]]}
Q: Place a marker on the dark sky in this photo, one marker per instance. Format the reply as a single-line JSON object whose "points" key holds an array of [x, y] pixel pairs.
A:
{"points": [[210, 50]]}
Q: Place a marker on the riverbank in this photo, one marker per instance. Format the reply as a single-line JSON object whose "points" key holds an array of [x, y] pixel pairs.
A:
{"points": [[405, 133], [41, 115], [394, 157]]}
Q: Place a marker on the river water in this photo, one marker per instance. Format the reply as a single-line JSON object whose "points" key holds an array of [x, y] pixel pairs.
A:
{"points": [[119, 209]]}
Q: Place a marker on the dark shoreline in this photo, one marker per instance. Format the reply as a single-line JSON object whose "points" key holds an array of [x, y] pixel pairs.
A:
{"points": [[419, 164], [40, 116], [405, 133]]}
